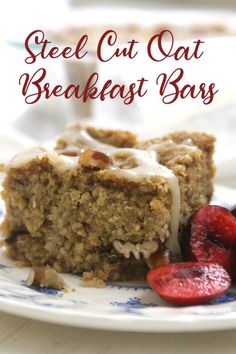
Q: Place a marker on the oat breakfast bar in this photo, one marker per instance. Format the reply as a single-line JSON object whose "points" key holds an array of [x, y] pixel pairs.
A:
{"points": [[103, 203]]}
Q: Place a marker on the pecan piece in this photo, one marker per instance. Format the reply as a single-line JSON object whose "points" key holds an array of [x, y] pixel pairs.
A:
{"points": [[45, 277], [159, 258], [94, 159]]}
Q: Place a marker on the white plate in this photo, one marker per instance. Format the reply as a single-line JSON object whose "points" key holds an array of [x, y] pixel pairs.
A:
{"points": [[118, 306]]}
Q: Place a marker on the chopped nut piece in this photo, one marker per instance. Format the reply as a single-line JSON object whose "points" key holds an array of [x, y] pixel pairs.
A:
{"points": [[45, 277], [94, 283], [94, 159], [159, 258], [91, 281]]}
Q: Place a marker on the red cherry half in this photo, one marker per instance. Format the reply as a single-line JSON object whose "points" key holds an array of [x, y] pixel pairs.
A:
{"points": [[189, 283], [213, 237]]}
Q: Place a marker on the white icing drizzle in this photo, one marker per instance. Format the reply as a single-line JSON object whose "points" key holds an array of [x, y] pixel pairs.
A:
{"points": [[173, 242], [145, 248], [24, 157], [60, 162]]}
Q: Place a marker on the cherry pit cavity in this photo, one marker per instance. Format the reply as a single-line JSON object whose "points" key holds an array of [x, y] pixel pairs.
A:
{"points": [[160, 47]]}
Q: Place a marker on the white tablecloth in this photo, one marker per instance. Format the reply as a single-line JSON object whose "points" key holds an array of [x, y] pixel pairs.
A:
{"points": [[21, 336]]}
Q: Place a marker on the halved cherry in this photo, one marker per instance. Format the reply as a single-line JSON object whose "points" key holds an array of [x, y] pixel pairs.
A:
{"points": [[189, 283], [213, 237]]}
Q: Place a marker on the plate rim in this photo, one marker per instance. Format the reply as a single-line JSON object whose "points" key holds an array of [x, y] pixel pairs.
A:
{"points": [[119, 323]]}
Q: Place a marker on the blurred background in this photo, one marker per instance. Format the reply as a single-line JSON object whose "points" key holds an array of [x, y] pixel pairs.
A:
{"points": [[64, 21], [195, 3]]}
